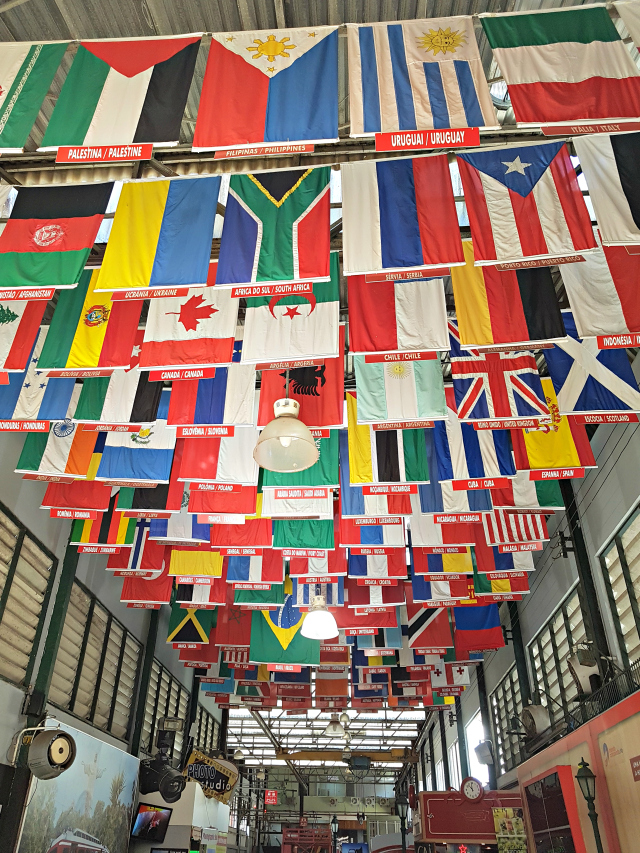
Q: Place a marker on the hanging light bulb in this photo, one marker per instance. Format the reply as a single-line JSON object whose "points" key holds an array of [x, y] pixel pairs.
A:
{"points": [[319, 624], [286, 444], [334, 729], [238, 754]]}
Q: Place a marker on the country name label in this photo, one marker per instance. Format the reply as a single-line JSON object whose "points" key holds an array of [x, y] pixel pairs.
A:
{"points": [[103, 153], [261, 150], [403, 425], [376, 358], [422, 274], [111, 427], [451, 137], [89, 514], [480, 483], [289, 365], [182, 373], [576, 129], [147, 293], [520, 546], [24, 426], [221, 431], [402, 489], [377, 581], [613, 341], [216, 487], [300, 494], [539, 262], [367, 521], [78, 374], [99, 549], [248, 291], [556, 474], [452, 518], [445, 549], [372, 552], [509, 423], [27, 293], [241, 552], [610, 418]]}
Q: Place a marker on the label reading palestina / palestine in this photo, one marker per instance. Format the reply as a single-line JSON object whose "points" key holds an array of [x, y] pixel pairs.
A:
{"points": [[103, 153]]}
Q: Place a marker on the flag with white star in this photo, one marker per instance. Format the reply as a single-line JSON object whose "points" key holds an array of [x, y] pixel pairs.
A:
{"points": [[524, 203]]}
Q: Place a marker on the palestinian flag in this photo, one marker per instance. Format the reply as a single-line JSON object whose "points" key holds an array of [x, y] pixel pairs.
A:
{"points": [[564, 65], [49, 235], [276, 228], [26, 72], [90, 330], [122, 91]]}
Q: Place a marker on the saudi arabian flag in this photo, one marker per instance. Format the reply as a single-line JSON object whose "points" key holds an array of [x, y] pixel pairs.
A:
{"points": [[26, 72], [324, 472], [285, 328], [564, 65]]}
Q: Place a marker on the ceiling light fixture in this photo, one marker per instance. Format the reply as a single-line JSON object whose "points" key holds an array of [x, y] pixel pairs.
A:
{"points": [[286, 444], [319, 624], [334, 729]]}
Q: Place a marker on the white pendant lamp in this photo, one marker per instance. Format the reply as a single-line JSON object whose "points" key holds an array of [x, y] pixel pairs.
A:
{"points": [[286, 444], [319, 623]]}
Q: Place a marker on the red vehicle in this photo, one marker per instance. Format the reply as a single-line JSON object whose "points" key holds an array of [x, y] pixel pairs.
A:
{"points": [[77, 841]]}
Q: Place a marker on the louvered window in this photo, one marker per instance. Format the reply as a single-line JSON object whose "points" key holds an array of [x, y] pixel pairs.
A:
{"points": [[506, 703], [27, 570], [207, 731], [97, 665], [166, 697], [621, 569]]}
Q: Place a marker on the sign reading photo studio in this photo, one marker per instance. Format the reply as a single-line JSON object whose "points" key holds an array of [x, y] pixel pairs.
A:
{"points": [[217, 778]]}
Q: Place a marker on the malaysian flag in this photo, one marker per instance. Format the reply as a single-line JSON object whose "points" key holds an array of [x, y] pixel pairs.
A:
{"points": [[502, 527]]}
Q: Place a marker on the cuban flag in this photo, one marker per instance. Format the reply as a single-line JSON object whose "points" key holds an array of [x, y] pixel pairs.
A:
{"points": [[524, 202], [495, 384], [588, 380], [438, 496]]}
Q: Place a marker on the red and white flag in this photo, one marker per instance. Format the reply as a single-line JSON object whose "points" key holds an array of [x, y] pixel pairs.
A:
{"points": [[502, 527]]}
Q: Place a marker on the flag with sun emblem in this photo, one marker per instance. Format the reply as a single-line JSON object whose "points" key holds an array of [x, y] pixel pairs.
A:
{"points": [[276, 227], [283, 328], [416, 75], [269, 86], [276, 637], [197, 329], [143, 456]]}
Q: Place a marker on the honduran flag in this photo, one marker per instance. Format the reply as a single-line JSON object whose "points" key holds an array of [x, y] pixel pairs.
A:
{"points": [[143, 456], [263, 86], [355, 533], [122, 91], [267, 567], [415, 75], [587, 379], [228, 459], [354, 503], [502, 527], [226, 398], [508, 307], [426, 591], [49, 235], [564, 65], [523, 493], [524, 202], [315, 534], [423, 563], [196, 330], [391, 565], [602, 292], [20, 323], [387, 214], [477, 628], [397, 316]]}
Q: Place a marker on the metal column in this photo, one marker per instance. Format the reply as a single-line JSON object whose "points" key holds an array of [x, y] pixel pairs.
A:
{"points": [[432, 760], [145, 676], [462, 741], [486, 720], [519, 653], [445, 756]]}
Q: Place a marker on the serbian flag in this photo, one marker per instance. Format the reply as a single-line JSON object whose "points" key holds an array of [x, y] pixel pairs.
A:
{"points": [[269, 86], [524, 202], [478, 629], [121, 91], [50, 233]]}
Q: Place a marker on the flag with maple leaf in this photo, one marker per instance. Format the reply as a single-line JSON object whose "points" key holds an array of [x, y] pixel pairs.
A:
{"points": [[197, 329]]}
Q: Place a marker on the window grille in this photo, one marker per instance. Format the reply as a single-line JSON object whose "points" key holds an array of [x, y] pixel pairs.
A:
{"points": [[506, 703], [621, 569]]}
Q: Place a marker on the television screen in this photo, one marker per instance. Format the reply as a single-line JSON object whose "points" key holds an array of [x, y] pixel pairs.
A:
{"points": [[151, 822]]}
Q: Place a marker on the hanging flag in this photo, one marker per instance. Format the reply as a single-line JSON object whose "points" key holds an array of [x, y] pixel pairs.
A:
{"points": [[561, 444], [490, 560], [391, 565], [182, 526], [304, 593], [143, 556], [477, 629], [189, 626], [165, 497], [242, 501], [197, 329], [630, 14], [19, 323], [276, 637], [428, 627], [428, 533], [450, 675], [110, 528], [274, 505], [397, 316], [437, 497], [495, 385], [602, 292], [511, 307], [161, 235], [374, 596], [285, 328], [524, 202], [80, 494], [387, 215], [28, 69], [354, 533], [465, 453], [333, 653], [276, 229], [89, 329], [399, 390], [355, 504], [303, 533], [401, 77], [201, 594], [321, 564], [199, 562], [228, 459], [254, 533], [233, 629], [564, 65], [324, 472], [226, 398], [332, 681], [587, 379], [502, 527], [428, 564], [122, 91], [482, 585], [318, 388], [265, 568], [147, 591], [384, 456], [348, 620], [49, 235], [143, 456], [523, 493], [263, 86]]}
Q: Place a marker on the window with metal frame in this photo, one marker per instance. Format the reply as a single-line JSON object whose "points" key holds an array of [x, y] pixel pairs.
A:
{"points": [[27, 570], [549, 652], [506, 703], [621, 569], [208, 728], [166, 697], [96, 669], [455, 775]]}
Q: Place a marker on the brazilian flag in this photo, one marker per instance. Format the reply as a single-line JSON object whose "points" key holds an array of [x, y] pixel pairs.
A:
{"points": [[276, 637]]}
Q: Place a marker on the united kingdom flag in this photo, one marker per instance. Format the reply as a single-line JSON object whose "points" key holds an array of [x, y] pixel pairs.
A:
{"points": [[492, 385]]}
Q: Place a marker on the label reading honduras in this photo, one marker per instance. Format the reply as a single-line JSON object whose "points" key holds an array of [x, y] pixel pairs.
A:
{"points": [[450, 137], [103, 153], [24, 426]]}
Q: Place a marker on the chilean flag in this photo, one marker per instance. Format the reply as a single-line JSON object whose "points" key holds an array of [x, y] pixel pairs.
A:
{"points": [[269, 86]]}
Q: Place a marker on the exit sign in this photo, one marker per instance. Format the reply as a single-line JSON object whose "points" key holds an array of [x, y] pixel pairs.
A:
{"points": [[271, 798]]}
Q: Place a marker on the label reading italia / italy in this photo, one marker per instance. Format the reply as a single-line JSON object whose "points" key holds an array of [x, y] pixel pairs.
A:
{"points": [[250, 290], [182, 373], [421, 274], [262, 150], [575, 129], [24, 426], [480, 483], [205, 431], [103, 153], [450, 137], [401, 489]]}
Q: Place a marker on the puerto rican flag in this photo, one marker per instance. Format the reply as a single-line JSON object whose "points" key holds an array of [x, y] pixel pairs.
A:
{"points": [[495, 385]]}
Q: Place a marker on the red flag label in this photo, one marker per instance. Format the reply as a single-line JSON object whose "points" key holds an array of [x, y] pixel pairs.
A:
{"points": [[376, 358], [406, 275], [377, 581], [145, 513], [99, 549], [265, 586], [575, 129], [205, 431], [143, 605], [539, 262], [302, 552], [366, 521], [317, 579], [111, 427], [556, 474], [445, 549], [447, 576], [360, 632], [403, 425], [404, 489], [320, 433], [511, 423], [480, 483], [452, 518], [28, 293], [283, 667], [449, 137], [241, 552], [201, 580], [216, 487], [289, 365], [373, 552], [148, 293], [182, 373], [365, 611], [611, 418], [251, 290], [25, 426], [73, 513], [301, 494], [104, 153], [190, 646], [432, 650], [521, 546], [131, 484], [262, 150], [78, 374], [48, 478]]}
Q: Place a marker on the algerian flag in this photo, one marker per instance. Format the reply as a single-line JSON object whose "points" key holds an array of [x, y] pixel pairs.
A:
{"points": [[399, 390]]}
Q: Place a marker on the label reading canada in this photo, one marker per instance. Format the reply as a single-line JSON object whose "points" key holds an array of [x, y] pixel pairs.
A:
{"points": [[250, 290], [182, 373], [103, 153], [451, 137], [205, 431], [402, 489]]}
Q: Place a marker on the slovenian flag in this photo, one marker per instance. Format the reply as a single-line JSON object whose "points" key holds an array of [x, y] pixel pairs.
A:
{"points": [[121, 91], [263, 86]]}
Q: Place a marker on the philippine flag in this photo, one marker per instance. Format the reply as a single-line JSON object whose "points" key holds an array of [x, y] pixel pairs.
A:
{"points": [[269, 86]]}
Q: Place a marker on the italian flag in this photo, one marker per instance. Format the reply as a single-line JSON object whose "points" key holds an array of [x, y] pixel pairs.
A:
{"points": [[565, 66]]}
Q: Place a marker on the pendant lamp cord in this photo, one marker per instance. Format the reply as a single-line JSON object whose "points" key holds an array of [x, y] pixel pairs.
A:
{"points": [[286, 386]]}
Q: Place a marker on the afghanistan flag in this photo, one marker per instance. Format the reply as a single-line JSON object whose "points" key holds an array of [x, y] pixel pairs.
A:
{"points": [[49, 235], [26, 71], [276, 228], [122, 91], [324, 472], [512, 307], [276, 637], [564, 65]]}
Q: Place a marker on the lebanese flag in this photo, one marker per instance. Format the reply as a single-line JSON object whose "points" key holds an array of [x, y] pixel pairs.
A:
{"points": [[221, 460], [202, 499], [502, 527], [19, 321], [197, 330]]}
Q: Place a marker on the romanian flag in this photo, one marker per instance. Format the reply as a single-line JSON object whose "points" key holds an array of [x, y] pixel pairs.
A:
{"points": [[276, 637], [49, 235], [161, 235]]}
